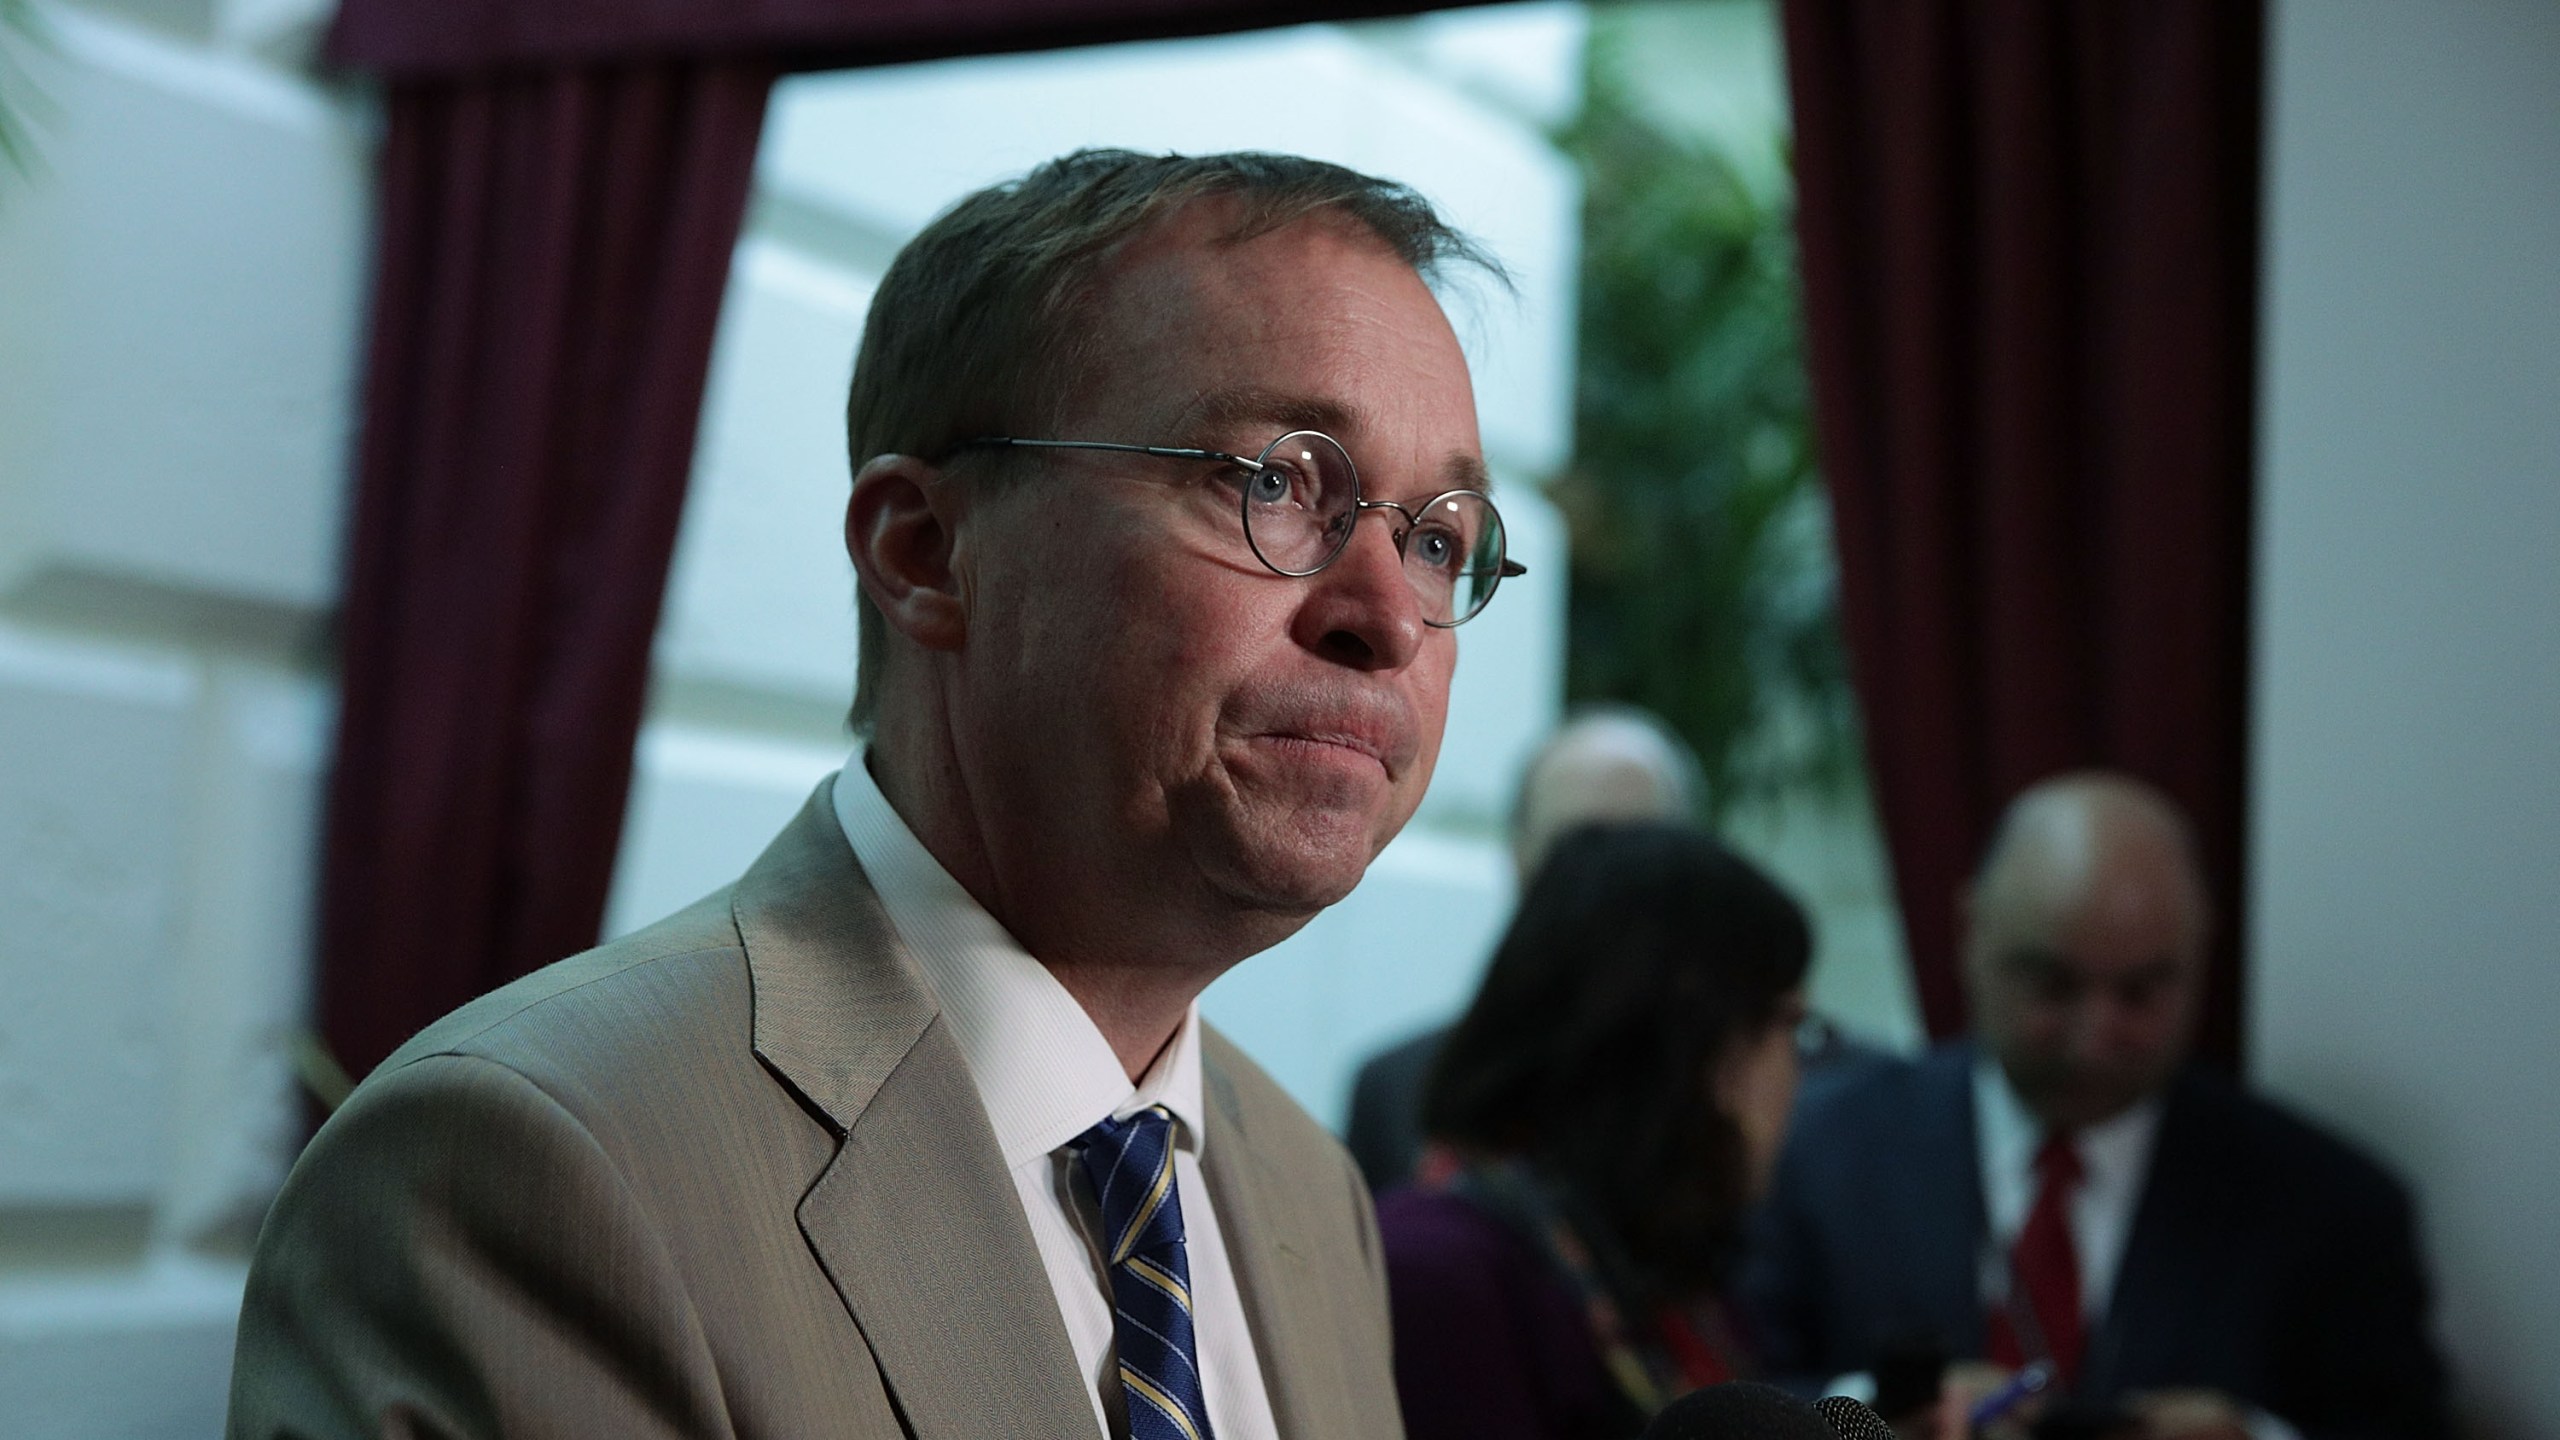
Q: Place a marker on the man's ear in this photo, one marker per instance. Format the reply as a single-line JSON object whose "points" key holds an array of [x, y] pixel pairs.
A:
{"points": [[899, 527]]}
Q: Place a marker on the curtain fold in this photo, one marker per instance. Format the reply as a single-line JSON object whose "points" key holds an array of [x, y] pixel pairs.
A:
{"points": [[2029, 241], [552, 251]]}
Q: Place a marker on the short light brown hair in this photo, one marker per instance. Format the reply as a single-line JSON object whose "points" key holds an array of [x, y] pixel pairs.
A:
{"points": [[970, 332]]}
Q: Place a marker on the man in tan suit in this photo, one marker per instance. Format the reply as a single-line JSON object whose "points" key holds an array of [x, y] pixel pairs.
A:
{"points": [[916, 1130]]}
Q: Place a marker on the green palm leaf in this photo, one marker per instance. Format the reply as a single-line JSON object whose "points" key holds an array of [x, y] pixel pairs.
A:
{"points": [[1702, 579]]}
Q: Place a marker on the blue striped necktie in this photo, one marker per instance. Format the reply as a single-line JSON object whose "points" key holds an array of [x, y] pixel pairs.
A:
{"points": [[1130, 1163]]}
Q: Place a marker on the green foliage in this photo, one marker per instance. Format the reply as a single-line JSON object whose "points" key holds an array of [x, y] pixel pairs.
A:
{"points": [[1701, 582]]}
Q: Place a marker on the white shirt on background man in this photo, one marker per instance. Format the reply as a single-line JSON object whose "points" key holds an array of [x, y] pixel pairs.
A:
{"points": [[2115, 1160], [2114, 1157]]}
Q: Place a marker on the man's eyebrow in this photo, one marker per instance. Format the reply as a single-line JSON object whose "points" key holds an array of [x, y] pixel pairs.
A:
{"points": [[1467, 472]]}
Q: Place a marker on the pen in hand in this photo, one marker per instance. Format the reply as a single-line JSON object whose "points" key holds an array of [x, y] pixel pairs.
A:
{"points": [[2022, 1387]]}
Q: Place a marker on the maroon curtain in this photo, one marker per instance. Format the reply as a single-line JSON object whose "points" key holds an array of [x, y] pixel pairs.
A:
{"points": [[553, 246], [2029, 236]]}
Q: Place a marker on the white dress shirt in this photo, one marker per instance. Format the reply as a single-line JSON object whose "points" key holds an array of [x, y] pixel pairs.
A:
{"points": [[2115, 1160], [2115, 1157], [1047, 1075]]}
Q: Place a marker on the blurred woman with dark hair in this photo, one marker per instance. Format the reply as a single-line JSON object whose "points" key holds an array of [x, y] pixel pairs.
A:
{"points": [[1601, 1120]]}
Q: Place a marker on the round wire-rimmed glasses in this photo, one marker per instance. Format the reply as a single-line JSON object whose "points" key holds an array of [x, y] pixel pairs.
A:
{"points": [[1300, 500]]}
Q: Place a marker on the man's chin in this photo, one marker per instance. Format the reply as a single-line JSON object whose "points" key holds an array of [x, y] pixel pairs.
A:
{"points": [[1292, 869], [2077, 1107], [1300, 890]]}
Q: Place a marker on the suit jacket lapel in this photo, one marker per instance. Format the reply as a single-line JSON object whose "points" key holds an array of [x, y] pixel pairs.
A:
{"points": [[915, 1221], [2163, 1282], [918, 1225], [1274, 1264]]}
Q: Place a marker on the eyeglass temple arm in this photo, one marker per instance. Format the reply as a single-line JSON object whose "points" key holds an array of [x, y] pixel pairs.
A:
{"points": [[1167, 452]]}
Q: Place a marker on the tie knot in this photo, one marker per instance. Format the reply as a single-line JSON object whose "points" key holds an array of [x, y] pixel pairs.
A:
{"points": [[2058, 1159], [1153, 1125], [1130, 1163]]}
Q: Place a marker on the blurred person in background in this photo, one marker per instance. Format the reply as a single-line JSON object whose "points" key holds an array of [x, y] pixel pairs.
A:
{"points": [[2187, 1259], [1600, 1119], [1606, 762]]}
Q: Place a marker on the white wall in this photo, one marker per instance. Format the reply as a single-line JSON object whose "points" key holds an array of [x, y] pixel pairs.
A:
{"points": [[2407, 915], [180, 282], [755, 657]]}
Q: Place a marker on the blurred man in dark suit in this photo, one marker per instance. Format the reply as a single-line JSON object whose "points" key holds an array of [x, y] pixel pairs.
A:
{"points": [[2065, 1190]]}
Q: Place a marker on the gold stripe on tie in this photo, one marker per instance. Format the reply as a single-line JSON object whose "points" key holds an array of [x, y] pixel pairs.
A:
{"points": [[1161, 1278], [1146, 1389], [1147, 1208]]}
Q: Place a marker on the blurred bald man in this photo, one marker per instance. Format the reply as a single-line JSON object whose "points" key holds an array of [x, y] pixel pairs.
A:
{"points": [[2186, 1259], [1605, 763]]}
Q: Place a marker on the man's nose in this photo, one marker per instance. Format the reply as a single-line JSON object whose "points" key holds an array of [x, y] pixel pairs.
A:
{"points": [[1361, 611], [2097, 1029], [2080, 1036]]}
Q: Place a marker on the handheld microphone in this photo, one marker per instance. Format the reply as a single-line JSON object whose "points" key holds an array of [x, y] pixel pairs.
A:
{"points": [[1850, 1420], [1738, 1410]]}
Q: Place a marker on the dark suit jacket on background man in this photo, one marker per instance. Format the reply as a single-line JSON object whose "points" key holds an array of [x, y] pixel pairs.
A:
{"points": [[2068, 1189], [2266, 1260]]}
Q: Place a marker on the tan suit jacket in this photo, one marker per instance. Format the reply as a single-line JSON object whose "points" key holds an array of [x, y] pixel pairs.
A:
{"points": [[729, 1176]]}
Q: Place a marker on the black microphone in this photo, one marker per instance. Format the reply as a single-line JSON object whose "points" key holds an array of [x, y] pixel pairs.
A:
{"points": [[1851, 1420], [1738, 1410]]}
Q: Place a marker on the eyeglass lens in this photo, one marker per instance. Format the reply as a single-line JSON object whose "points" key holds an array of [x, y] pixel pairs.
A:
{"points": [[1302, 502]]}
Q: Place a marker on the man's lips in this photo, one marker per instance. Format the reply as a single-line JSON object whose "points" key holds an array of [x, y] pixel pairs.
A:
{"points": [[1373, 733], [1358, 744]]}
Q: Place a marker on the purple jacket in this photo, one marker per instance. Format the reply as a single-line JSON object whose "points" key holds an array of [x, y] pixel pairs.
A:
{"points": [[1491, 1342]]}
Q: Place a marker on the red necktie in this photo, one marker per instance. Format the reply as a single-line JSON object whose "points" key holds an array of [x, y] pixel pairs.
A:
{"points": [[2044, 1270]]}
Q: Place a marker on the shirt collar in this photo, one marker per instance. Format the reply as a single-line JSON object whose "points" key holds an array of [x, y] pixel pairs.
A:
{"points": [[1043, 1070]]}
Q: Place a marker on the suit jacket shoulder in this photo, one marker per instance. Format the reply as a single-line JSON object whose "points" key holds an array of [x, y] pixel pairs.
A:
{"points": [[1868, 1240], [2274, 1260], [701, 932], [727, 1176], [730, 1176], [2291, 1154]]}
